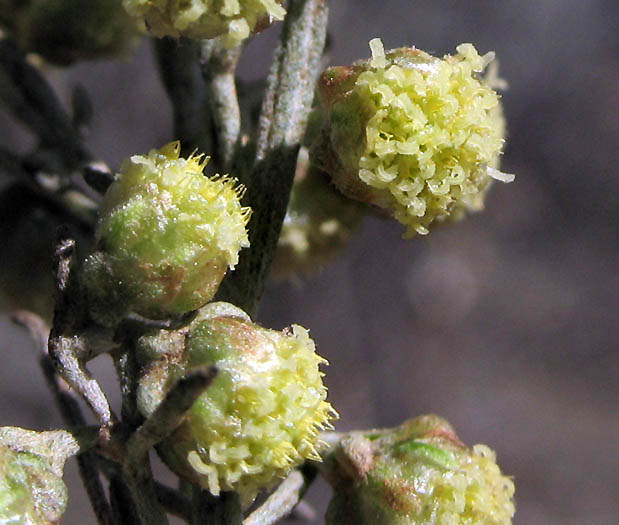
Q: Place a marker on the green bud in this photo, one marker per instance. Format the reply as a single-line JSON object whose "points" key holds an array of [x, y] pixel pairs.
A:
{"points": [[416, 136], [318, 224], [262, 414], [417, 473], [235, 20], [62, 31], [31, 486], [166, 236]]}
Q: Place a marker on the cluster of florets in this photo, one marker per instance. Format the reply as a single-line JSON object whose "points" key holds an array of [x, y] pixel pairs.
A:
{"points": [[417, 473], [262, 414], [234, 19], [62, 31], [414, 135], [166, 236]]}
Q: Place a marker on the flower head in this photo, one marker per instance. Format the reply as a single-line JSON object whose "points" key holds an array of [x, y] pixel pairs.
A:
{"points": [[261, 415], [234, 19], [414, 135], [417, 473], [166, 236]]}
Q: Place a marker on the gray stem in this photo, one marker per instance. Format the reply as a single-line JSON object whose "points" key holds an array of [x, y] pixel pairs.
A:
{"points": [[280, 503], [71, 415], [178, 62], [28, 95], [218, 68], [162, 422], [282, 125]]}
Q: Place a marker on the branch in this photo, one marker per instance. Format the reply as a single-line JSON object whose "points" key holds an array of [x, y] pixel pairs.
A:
{"points": [[173, 502], [162, 422], [282, 125], [14, 167], [222, 510], [30, 98], [280, 503], [63, 346], [171, 411], [71, 415], [181, 77], [218, 68]]}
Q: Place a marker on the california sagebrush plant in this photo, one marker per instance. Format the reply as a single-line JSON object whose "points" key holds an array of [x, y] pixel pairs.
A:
{"points": [[172, 261]]}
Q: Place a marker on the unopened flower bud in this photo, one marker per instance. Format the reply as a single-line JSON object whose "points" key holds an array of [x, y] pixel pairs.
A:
{"points": [[261, 415], [31, 486], [166, 236], [318, 224], [414, 135], [417, 473], [234, 19], [63, 31]]}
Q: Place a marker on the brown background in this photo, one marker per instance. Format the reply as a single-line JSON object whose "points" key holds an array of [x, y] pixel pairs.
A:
{"points": [[506, 324]]}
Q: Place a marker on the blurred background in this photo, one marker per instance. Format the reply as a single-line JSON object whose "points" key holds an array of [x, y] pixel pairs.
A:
{"points": [[505, 324]]}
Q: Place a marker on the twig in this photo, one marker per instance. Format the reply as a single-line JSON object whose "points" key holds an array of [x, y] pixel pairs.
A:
{"points": [[71, 415], [180, 73], [222, 510], [303, 42], [13, 167], [127, 370], [284, 116], [28, 95], [218, 68], [280, 503], [171, 411], [168, 415], [173, 501], [63, 346]]}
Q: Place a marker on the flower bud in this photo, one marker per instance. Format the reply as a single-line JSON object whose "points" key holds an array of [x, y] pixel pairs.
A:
{"points": [[261, 415], [234, 19], [414, 135], [417, 473], [62, 31], [318, 224], [31, 488], [166, 236]]}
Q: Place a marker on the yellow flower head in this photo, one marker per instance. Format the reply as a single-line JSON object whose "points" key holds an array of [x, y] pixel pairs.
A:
{"points": [[414, 135], [262, 414], [166, 236], [234, 19]]}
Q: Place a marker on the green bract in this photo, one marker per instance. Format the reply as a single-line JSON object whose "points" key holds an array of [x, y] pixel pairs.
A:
{"points": [[166, 236], [234, 19], [415, 135], [417, 473], [62, 31], [261, 415]]}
